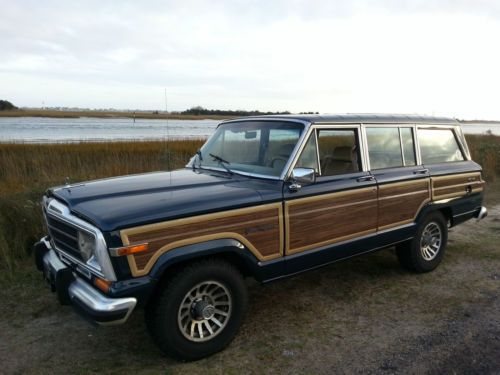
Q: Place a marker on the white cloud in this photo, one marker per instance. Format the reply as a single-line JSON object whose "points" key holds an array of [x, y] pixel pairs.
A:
{"points": [[395, 56]]}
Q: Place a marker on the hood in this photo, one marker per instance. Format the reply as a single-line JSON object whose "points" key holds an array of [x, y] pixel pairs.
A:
{"points": [[121, 202]]}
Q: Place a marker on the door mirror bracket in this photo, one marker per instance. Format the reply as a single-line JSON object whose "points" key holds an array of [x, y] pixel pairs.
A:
{"points": [[300, 177]]}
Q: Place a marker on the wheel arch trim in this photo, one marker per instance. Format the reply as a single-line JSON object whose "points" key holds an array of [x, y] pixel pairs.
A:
{"points": [[198, 250]]}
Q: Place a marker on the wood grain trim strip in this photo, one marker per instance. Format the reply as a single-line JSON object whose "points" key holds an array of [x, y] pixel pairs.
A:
{"points": [[336, 206], [458, 194], [220, 228], [427, 191], [436, 181], [316, 198], [327, 196], [405, 194], [472, 183], [443, 183], [126, 233], [400, 223], [329, 242]]}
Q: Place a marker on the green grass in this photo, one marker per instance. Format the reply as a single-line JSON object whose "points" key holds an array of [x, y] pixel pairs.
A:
{"points": [[26, 170]]}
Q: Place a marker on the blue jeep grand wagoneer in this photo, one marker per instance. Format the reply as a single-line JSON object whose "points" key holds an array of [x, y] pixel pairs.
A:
{"points": [[265, 197]]}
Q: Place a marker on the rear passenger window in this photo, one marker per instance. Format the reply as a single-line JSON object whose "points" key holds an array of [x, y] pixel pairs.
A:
{"points": [[384, 147], [338, 151], [408, 146], [438, 146]]}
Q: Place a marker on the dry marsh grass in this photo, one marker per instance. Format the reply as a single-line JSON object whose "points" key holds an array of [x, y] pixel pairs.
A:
{"points": [[26, 170], [27, 166], [485, 149], [106, 114]]}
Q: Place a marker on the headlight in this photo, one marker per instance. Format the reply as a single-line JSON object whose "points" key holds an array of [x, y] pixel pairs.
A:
{"points": [[86, 244]]}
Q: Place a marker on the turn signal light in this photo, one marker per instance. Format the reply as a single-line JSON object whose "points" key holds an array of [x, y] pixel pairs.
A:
{"points": [[102, 284], [133, 249]]}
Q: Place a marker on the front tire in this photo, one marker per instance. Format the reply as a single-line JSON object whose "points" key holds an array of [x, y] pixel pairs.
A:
{"points": [[426, 250], [198, 311]]}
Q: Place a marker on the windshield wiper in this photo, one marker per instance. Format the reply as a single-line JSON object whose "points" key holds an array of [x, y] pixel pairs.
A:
{"points": [[200, 159], [222, 162], [199, 154]]}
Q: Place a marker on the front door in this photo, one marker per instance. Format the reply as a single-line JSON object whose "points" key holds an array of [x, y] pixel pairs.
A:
{"points": [[340, 206]]}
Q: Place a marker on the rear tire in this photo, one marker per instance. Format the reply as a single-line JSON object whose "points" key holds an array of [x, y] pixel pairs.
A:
{"points": [[425, 251], [198, 311]]}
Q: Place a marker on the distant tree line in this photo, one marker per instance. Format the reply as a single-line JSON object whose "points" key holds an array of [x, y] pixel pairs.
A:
{"points": [[220, 112], [5, 105]]}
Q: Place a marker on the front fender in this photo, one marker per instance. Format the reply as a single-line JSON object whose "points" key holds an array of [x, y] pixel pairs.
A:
{"points": [[230, 248]]}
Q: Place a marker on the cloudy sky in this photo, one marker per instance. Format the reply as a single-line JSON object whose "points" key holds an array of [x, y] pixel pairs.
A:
{"points": [[431, 57]]}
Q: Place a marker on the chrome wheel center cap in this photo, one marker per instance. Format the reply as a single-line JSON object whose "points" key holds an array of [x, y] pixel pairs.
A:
{"points": [[208, 312], [427, 240], [203, 310]]}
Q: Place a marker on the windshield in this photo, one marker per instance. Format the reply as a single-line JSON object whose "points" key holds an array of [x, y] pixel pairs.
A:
{"points": [[257, 147]]}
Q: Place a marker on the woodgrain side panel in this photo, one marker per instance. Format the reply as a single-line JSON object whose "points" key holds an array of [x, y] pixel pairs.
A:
{"points": [[399, 203], [455, 186], [259, 228], [329, 218]]}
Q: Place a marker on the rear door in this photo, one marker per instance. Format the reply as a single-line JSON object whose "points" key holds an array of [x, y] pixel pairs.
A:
{"points": [[453, 175], [403, 184], [341, 205]]}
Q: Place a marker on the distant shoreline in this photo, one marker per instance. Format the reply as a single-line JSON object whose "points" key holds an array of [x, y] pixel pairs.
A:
{"points": [[50, 113], [107, 114]]}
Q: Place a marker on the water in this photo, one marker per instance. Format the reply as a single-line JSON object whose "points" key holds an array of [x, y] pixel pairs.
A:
{"points": [[481, 128], [52, 130]]}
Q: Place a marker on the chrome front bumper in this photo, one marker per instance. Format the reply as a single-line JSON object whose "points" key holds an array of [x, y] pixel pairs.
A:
{"points": [[72, 289]]}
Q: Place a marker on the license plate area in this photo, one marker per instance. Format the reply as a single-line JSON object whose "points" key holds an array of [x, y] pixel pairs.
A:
{"points": [[58, 276]]}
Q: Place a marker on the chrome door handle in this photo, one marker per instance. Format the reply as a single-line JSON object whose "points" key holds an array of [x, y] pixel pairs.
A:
{"points": [[421, 171], [366, 179]]}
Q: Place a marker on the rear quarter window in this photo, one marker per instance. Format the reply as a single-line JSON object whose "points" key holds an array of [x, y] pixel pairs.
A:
{"points": [[438, 146]]}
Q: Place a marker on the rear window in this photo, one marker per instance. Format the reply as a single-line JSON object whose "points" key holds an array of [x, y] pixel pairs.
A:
{"points": [[438, 146]]}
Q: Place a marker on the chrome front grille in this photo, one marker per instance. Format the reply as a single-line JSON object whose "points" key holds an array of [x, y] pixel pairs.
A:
{"points": [[63, 228], [64, 236]]}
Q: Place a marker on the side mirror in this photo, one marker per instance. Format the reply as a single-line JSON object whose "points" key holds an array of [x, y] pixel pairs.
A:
{"points": [[302, 176]]}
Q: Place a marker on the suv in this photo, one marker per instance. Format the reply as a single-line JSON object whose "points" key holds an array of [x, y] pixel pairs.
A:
{"points": [[266, 197]]}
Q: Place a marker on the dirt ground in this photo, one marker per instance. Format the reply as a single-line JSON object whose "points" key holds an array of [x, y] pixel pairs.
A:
{"points": [[365, 315]]}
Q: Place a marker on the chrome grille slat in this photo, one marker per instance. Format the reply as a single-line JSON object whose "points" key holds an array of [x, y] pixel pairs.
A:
{"points": [[63, 233], [59, 245], [64, 236]]}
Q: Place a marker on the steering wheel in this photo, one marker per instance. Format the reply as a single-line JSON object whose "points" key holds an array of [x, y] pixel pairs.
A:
{"points": [[277, 158]]}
